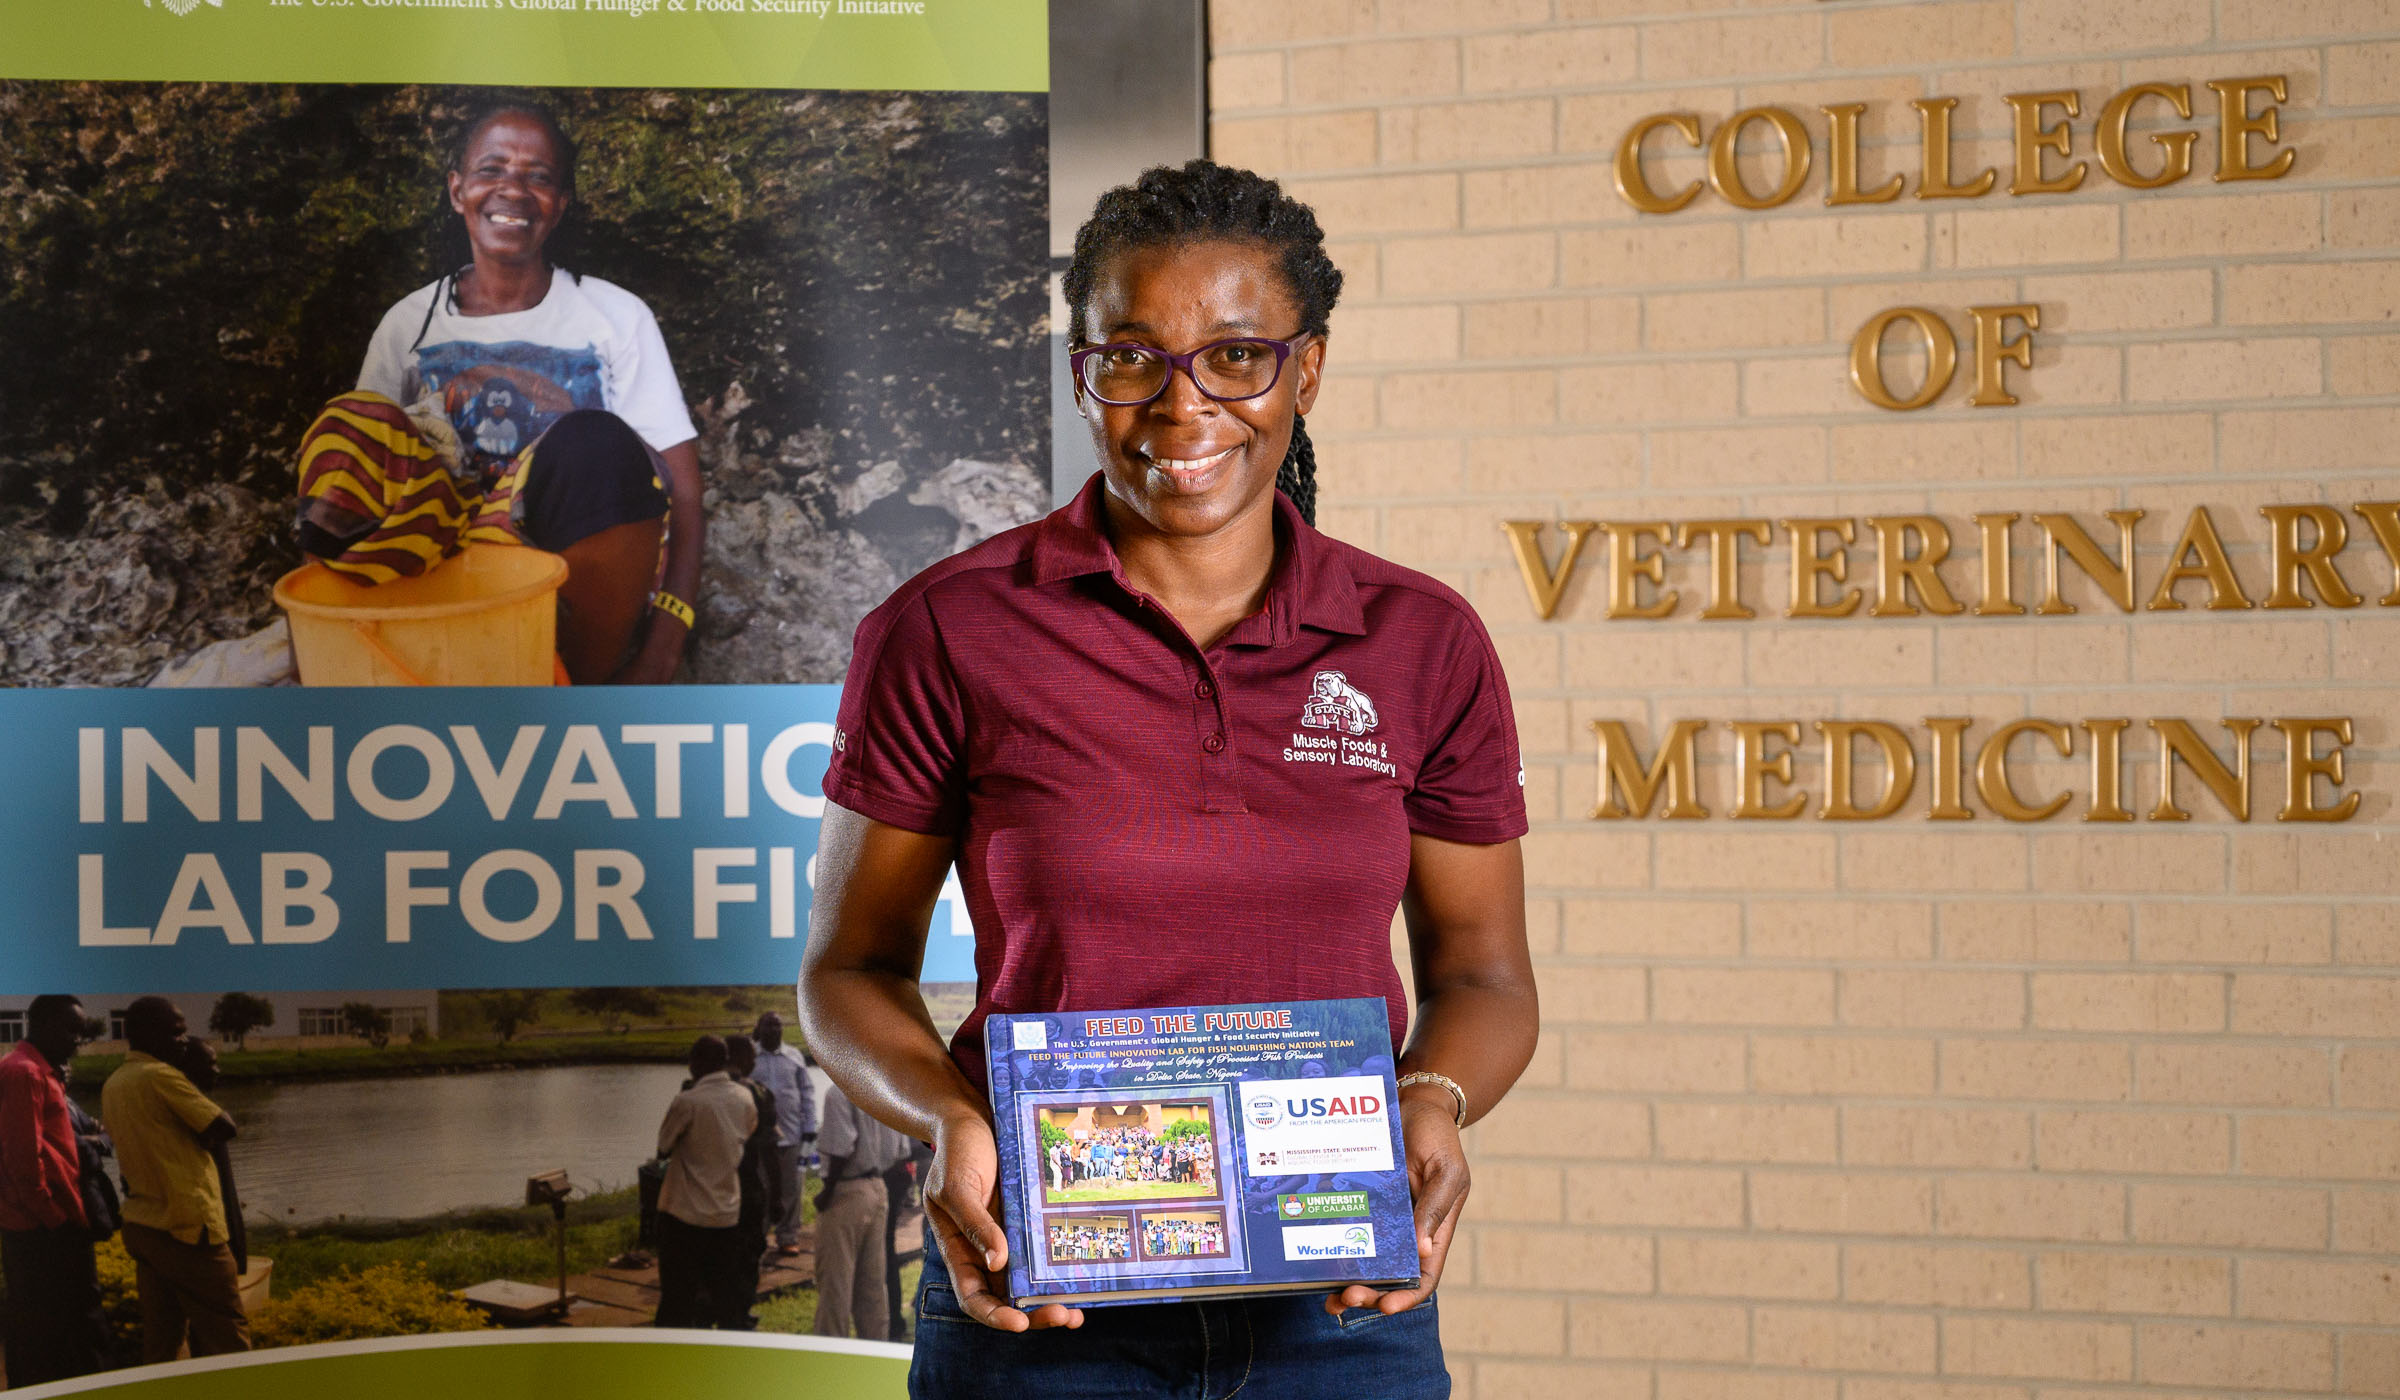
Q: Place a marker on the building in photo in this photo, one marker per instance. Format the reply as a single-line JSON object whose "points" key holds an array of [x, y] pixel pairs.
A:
{"points": [[300, 1017]]}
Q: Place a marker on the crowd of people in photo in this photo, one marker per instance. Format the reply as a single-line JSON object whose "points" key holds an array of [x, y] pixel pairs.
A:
{"points": [[1132, 1154], [1106, 1240], [731, 1171], [1089, 1242], [1169, 1237]]}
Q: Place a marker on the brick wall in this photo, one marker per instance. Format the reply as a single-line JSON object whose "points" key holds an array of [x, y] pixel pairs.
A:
{"points": [[1896, 1110]]}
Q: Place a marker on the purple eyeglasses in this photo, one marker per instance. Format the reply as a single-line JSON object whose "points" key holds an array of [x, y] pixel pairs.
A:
{"points": [[1126, 375]]}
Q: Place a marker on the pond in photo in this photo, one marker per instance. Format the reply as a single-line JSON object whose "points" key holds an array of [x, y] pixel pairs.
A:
{"points": [[402, 1148]]}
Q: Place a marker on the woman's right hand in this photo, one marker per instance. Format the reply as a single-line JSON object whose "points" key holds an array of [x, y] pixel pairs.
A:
{"points": [[961, 1195]]}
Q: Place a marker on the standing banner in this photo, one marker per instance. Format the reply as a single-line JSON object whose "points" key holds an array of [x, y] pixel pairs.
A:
{"points": [[446, 447]]}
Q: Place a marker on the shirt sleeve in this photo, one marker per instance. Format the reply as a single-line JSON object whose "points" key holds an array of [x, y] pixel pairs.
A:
{"points": [[671, 1129], [899, 743], [196, 1109], [839, 1135], [53, 1203], [385, 371], [1471, 785], [808, 1098], [642, 388]]}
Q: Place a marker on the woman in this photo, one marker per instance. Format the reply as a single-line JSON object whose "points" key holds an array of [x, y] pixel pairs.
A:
{"points": [[512, 401], [1090, 715]]}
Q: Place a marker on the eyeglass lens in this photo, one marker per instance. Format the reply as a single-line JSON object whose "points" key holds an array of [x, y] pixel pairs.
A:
{"points": [[1233, 369]]}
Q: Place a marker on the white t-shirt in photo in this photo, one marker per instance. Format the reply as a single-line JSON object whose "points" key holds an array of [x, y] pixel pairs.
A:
{"points": [[504, 379]]}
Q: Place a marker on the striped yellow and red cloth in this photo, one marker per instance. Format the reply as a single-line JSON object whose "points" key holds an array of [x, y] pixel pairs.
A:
{"points": [[376, 480]]}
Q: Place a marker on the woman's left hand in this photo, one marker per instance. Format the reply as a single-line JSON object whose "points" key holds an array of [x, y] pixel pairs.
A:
{"points": [[660, 656], [1438, 1179]]}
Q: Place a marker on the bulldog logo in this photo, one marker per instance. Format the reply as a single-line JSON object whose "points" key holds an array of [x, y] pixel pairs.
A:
{"points": [[1334, 703]]}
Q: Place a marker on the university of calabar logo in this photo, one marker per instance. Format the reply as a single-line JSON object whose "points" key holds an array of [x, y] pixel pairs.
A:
{"points": [[184, 7], [1334, 703]]}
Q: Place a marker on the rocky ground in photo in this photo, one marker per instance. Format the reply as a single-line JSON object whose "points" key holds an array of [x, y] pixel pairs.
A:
{"points": [[852, 285]]}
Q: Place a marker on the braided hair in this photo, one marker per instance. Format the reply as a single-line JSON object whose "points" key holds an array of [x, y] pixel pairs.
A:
{"points": [[453, 252], [1204, 201]]}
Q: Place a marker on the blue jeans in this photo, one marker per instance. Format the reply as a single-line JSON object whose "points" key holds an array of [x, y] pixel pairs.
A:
{"points": [[1279, 1347]]}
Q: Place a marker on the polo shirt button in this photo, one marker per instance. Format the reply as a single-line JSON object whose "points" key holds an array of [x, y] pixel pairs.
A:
{"points": [[1204, 690], [1214, 743]]}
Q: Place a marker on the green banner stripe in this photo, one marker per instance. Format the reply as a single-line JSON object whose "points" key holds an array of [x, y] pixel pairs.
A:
{"points": [[947, 46], [586, 1370]]}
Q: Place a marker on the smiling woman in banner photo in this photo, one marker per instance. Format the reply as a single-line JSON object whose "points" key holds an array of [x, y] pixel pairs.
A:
{"points": [[1183, 749], [515, 401]]}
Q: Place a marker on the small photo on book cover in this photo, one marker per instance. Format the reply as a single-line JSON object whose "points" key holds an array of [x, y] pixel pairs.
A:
{"points": [[1183, 1152]]}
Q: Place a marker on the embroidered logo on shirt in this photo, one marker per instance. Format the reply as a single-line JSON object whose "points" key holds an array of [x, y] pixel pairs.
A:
{"points": [[1334, 703]]}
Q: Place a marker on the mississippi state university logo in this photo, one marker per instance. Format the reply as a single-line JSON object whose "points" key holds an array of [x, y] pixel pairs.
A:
{"points": [[1334, 703]]}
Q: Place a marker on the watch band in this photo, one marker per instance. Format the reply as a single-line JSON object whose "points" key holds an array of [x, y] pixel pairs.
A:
{"points": [[1426, 1076], [673, 607]]}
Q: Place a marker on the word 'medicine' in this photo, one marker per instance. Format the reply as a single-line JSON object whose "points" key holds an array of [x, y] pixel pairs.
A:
{"points": [[1763, 754]]}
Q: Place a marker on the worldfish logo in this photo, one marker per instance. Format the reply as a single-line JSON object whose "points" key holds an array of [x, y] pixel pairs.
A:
{"points": [[1328, 1241]]}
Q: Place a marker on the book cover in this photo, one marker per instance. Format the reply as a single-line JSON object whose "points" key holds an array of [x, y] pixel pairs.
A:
{"points": [[1198, 1151]]}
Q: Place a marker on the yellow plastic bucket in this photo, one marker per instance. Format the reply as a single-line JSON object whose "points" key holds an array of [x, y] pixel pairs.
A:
{"points": [[489, 616]]}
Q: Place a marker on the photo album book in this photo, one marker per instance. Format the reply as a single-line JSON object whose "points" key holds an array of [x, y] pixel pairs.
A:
{"points": [[1200, 1151]]}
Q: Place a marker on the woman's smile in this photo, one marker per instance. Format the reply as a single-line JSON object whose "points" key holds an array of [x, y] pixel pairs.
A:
{"points": [[1188, 471]]}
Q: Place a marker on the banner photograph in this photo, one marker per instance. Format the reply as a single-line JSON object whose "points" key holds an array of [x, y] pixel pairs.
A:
{"points": [[445, 452]]}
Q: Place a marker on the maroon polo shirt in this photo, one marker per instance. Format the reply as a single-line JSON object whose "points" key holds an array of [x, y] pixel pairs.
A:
{"points": [[1141, 823]]}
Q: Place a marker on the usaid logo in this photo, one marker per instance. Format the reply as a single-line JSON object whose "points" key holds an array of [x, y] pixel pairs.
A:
{"points": [[1314, 1127], [1356, 1106], [180, 8]]}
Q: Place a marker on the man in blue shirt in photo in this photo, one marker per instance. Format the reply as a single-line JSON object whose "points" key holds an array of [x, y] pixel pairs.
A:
{"points": [[784, 1073]]}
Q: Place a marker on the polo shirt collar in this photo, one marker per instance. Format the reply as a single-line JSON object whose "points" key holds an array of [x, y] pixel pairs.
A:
{"points": [[1312, 587]]}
